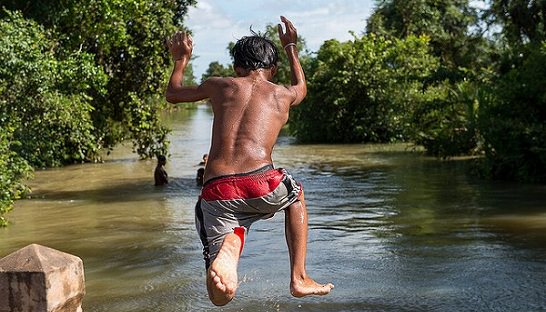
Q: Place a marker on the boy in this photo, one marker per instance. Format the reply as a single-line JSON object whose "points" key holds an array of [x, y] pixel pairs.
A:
{"points": [[160, 175], [241, 185]]}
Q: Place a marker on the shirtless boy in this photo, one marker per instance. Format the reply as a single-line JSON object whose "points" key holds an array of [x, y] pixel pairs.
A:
{"points": [[160, 174], [241, 186]]}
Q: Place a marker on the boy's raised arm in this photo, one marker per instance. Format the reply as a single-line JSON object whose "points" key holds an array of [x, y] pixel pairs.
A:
{"points": [[181, 46], [289, 40]]}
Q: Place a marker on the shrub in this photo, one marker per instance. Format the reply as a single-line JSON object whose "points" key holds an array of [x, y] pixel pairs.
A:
{"points": [[363, 90]]}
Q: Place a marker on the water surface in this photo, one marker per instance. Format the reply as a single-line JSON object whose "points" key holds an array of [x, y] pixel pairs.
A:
{"points": [[393, 230]]}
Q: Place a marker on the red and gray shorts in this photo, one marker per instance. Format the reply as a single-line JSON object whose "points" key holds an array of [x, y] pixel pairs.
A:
{"points": [[230, 202]]}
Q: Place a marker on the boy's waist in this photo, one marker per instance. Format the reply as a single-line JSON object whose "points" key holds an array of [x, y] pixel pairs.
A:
{"points": [[253, 184], [260, 170]]}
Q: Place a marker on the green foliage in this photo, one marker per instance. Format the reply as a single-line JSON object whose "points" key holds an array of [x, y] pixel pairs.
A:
{"points": [[522, 21], [45, 99], [218, 70], [513, 119], [452, 25], [13, 170], [189, 78], [363, 90], [445, 121], [125, 38]]}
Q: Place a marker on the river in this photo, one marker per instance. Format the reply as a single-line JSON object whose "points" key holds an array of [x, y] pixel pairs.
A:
{"points": [[392, 229]]}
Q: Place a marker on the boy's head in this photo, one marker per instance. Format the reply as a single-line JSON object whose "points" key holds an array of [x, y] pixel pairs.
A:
{"points": [[254, 52], [161, 160]]}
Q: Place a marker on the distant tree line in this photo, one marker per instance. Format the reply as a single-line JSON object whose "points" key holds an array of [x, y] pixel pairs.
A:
{"points": [[78, 77]]}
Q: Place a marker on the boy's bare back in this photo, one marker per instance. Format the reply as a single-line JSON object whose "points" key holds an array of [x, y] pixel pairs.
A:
{"points": [[249, 113]]}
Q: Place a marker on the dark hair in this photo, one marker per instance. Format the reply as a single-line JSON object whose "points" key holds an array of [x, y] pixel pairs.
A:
{"points": [[253, 52], [161, 158]]}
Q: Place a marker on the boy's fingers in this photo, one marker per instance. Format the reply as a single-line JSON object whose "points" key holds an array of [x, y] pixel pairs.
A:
{"points": [[285, 21], [288, 24], [279, 28]]}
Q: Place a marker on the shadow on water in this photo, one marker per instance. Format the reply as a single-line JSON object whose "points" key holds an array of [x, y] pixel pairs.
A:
{"points": [[392, 229]]}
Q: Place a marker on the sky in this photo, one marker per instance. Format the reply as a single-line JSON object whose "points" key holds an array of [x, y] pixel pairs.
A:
{"points": [[215, 23]]}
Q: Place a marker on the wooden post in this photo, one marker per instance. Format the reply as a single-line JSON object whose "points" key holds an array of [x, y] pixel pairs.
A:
{"points": [[40, 279]]}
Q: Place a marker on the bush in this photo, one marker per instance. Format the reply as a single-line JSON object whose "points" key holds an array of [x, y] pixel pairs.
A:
{"points": [[513, 119], [44, 108], [13, 170], [363, 90], [45, 99], [444, 123]]}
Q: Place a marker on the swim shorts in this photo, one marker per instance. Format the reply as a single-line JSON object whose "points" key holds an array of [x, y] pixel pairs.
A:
{"points": [[230, 202]]}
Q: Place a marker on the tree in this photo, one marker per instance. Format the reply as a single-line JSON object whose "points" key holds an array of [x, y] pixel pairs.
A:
{"points": [[512, 118], [445, 121], [512, 111], [522, 21], [46, 101], [218, 70], [126, 40], [452, 26], [363, 90], [44, 109]]}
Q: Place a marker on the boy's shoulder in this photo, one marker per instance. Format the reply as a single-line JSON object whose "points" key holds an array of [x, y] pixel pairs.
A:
{"points": [[219, 80], [215, 83]]}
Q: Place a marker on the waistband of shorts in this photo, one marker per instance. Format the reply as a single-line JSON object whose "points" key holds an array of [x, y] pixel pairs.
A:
{"points": [[244, 174]]}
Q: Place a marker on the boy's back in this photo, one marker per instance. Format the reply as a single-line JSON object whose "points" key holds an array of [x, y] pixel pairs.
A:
{"points": [[249, 113]]}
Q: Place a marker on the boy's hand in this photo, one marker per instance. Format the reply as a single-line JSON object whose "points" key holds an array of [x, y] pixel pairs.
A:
{"points": [[180, 45], [290, 36]]}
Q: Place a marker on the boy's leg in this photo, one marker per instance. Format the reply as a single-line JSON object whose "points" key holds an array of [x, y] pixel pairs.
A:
{"points": [[222, 279], [296, 238], [222, 272]]}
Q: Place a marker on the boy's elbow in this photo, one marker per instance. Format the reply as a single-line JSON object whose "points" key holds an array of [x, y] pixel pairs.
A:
{"points": [[301, 93], [304, 93]]}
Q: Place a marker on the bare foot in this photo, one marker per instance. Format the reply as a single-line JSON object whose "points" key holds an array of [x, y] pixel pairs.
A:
{"points": [[222, 274], [307, 286]]}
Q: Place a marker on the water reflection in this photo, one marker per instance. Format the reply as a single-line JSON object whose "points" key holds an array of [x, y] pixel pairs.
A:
{"points": [[395, 231]]}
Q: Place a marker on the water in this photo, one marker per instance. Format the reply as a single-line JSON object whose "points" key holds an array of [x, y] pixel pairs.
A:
{"points": [[393, 230]]}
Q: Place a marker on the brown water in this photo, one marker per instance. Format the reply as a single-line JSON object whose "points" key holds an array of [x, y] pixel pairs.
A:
{"points": [[394, 231]]}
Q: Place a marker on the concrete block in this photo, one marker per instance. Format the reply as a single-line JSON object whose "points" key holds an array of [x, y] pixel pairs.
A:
{"points": [[37, 278]]}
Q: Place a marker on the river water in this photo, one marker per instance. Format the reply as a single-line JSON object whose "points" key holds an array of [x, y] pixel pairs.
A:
{"points": [[392, 229]]}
